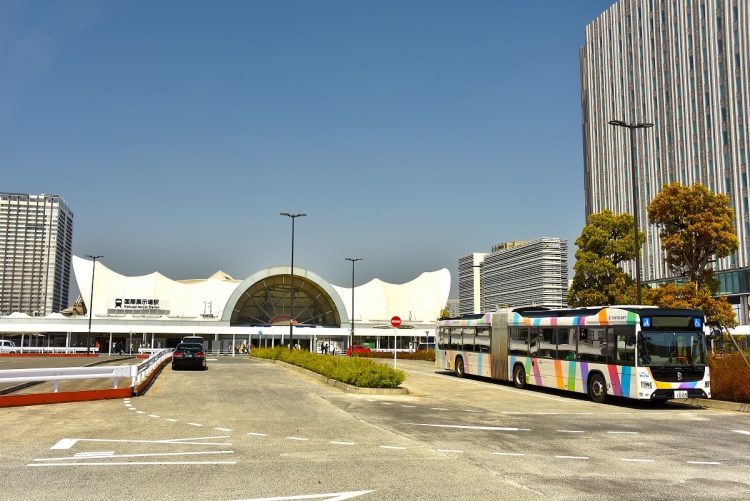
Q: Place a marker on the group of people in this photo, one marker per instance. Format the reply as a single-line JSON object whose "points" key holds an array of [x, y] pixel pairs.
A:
{"points": [[243, 348], [325, 349]]}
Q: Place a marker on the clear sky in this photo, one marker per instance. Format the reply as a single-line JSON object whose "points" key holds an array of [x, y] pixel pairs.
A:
{"points": [[410, 132]]}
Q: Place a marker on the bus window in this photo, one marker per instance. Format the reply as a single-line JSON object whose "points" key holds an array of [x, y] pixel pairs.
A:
{"points": [[519, 341], [625, 345], [547, 345], [456, 341], [534, 339], [443, 338], [592, 344], [566, 343], [482, 340], [469, 338]]}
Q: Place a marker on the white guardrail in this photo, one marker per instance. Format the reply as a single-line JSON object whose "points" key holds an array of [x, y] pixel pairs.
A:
{"points": [[135, 373], [48, 349]]}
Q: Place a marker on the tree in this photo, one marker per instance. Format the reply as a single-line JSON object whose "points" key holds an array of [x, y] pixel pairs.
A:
{"points": [[696, 227], [690, 295], [606, 241]]}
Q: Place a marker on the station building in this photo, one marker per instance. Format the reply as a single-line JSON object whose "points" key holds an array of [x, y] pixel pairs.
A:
{"points": [[154, 310]]}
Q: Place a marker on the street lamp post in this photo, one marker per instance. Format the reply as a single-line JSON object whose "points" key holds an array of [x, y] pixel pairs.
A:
{"points": [[91, 301], [633, 127], [351, 334], [291, 281]]}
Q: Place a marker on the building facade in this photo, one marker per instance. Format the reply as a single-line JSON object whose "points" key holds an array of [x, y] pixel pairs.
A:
{"points": [[516, 274], [685, 67], [36, 241], [469, 294]]}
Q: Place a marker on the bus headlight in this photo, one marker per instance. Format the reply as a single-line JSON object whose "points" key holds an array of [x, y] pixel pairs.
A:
{"points": [[646, 385]]}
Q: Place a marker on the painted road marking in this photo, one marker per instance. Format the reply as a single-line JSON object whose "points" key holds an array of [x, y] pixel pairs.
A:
{"points": [[449, 450], [703, 462], [467, 427], [67, 443], [438, 409], [153, 415], [742, 431], [471, 410], [301, 439], [573, 457], [510, 412], [629, 460], [257, 434], [132, 409], [216, 360], [331, 496], [623, 432], [335, 442], [507, 454], [135, 463], [140, 412], [172, 420], [410, 406], [392, 447], [222, 429], [194, 424], [386, 403], [570, 431], [92, 455]]}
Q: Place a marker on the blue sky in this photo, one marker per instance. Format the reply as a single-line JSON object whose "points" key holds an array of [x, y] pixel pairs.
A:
{"points": [[410, 132]]}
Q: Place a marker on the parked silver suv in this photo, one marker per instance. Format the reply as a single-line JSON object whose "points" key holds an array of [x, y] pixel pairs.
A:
{"points": [[7, 346]]}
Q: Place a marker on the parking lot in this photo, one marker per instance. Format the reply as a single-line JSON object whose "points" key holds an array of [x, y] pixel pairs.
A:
{"points": [[249, 429]]}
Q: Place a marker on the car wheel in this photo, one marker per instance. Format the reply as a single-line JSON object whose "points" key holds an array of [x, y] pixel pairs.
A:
{"points": [[597, 388], [519, 376], [460, 372]]}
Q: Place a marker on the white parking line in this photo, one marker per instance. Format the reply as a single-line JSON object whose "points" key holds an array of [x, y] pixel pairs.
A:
{"points": [[132, 409], [507, 454], [335, 442], [135, 463], [449, 450], [438, 409], [623, 432], [471, 410], [410, 406], [742, 431], [386, 403], [153, 415], [140, 412], [171, 420], [570, 431], [194, 424], [467, 427], [301, 439], [222, 429], [392, 447], [630, 460], [573, 457], [703, 462], [112, 455]]}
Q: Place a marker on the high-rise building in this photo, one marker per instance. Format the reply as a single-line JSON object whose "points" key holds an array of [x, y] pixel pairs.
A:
{"points": [[515, 274], [683, 66], [469, 296], [36, 239]]}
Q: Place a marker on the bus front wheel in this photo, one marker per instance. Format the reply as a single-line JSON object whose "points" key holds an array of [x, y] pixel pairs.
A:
{"points": [[597, 388], [460, 372], [519, 376]]}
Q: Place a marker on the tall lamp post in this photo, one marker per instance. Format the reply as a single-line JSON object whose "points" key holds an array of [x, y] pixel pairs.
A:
{"points": [[351, 333], [633, 127], [291, 281], [91, 301]]}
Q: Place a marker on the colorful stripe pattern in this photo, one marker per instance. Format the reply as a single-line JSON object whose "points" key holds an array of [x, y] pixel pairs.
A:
{"points": [[607, 316]]}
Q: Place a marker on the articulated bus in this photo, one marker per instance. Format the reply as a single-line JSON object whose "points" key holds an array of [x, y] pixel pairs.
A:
{"points": [[636, 352]]}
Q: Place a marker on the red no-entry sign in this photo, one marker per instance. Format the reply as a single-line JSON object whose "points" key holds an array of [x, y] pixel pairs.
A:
{"points": [[396, 321]]}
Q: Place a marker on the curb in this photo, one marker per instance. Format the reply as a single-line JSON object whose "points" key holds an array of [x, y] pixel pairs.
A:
{"points": [[338, 384], [717, 404]]}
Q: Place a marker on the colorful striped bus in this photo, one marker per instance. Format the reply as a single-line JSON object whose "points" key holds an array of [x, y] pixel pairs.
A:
{"points": [[636, 352]]}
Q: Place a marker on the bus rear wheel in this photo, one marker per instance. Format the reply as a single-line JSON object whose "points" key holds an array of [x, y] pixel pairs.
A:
{"points": [[460, 372], [519, 376], [597, 389]]}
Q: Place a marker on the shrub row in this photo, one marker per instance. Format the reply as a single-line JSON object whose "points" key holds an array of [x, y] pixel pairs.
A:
{"points": [[355, 371], [401, 355], [730, 378]]}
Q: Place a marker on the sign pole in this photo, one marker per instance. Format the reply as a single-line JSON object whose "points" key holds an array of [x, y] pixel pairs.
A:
{"points": [[395, 323]]}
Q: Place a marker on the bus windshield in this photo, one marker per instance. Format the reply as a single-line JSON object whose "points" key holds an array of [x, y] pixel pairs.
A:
{"points": [[671, 349]]}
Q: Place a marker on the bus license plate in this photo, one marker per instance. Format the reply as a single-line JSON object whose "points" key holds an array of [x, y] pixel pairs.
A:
{"points": [[680, 394]]}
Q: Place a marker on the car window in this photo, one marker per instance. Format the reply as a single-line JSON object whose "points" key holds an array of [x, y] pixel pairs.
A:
{"points": [[190, 347]]}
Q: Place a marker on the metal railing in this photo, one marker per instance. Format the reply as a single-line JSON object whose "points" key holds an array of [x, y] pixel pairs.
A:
{"points": [[136, 374], [48, 349]]}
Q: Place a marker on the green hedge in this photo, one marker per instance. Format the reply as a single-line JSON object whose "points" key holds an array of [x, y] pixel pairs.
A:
{"points": [[355, 371], [401, 355]]}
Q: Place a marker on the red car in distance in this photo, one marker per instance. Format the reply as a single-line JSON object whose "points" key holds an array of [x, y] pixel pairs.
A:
{"points": [[357, 349]]}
